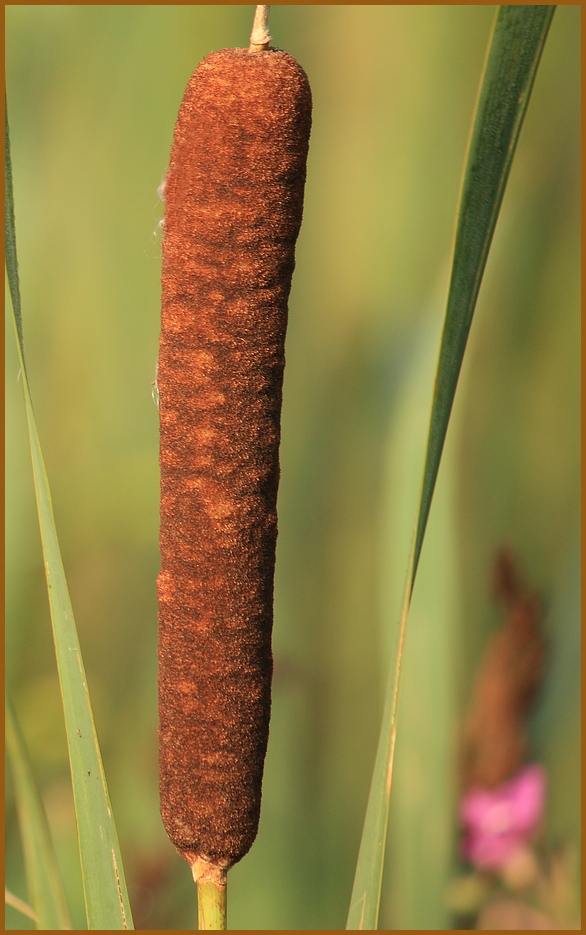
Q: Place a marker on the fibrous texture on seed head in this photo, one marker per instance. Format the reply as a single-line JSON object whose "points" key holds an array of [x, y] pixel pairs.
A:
{"points": [[234, 197]]}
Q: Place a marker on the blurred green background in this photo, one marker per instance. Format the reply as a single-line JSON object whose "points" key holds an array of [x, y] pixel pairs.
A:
{"points": [[93, 92]]}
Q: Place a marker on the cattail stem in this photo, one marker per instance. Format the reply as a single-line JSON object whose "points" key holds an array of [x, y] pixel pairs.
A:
{"points": [[259, 37], [211, 905]]}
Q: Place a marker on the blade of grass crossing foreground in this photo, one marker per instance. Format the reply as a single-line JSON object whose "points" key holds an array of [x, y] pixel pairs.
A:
{"points": [[45, 889], [106, 899], [11, 900], [515, 49], [517, 43]]}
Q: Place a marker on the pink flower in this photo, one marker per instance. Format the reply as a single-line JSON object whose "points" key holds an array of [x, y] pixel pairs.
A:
{"points": [[499, 821]]}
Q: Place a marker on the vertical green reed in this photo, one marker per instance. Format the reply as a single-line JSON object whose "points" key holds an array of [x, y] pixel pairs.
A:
{"points": [[105, 895], [515, 49], [44, 884]]}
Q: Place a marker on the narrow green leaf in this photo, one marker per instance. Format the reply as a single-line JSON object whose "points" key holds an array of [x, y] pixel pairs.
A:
{"points": [[517, 43], [10, 234], [515, 49], [106, 899], [45, 889], [19, 904]]}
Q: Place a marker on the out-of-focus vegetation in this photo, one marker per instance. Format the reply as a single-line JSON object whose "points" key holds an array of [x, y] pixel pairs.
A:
{"points": [[93, 92]]}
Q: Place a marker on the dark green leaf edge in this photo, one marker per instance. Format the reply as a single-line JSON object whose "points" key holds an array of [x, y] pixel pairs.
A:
{"points": [[105, 893], [517, 41]]}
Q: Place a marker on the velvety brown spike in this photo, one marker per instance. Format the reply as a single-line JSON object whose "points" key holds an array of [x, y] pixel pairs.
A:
{"points": [[234, 198], [509, 676]]}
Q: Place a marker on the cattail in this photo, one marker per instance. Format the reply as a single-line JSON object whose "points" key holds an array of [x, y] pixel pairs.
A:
{"points": [[234, 198], [495, 738]]}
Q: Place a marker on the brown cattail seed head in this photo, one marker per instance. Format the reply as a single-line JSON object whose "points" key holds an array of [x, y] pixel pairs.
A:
{"points": [[234, 198], [511, 671]]}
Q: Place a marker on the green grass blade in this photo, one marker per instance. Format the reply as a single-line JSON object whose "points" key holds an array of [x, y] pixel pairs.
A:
{"points": [[11, 900], [43, 879], [365, 899], [106, 899], [517, 41]]}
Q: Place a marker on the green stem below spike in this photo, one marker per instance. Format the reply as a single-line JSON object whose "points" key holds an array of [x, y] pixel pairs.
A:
{"points": [[211, 904]]}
